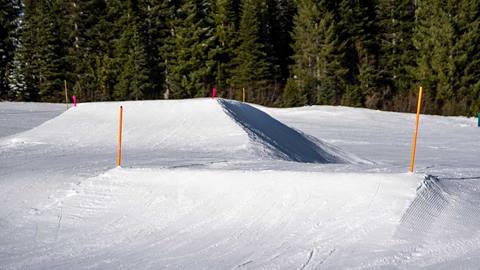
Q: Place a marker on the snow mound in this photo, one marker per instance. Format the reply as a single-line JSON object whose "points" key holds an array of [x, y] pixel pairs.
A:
{"points": [[442, 205], [281, 141], [200, 128], [208, 219]]}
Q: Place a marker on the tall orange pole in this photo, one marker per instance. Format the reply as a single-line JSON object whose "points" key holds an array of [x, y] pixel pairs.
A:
{"points": [[119, 160], [414, 148]]}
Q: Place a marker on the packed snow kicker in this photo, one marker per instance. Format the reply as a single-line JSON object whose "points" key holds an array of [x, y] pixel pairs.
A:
{"points": [[219, 184]]}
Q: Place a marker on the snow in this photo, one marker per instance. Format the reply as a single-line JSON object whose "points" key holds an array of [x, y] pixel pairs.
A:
{"points": [[446, 145], [282, 141], [20, 116], [218, 184]]}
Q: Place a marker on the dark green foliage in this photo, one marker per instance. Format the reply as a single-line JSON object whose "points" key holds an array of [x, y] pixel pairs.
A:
{"points": [[320, 71], [227, 21], [41, 62], [396, 22], [295, 94], [191, 67], [372, 53], [90, 52], [9, 12], [133, 80], [447, 40], [253, 70], [357, 31]]}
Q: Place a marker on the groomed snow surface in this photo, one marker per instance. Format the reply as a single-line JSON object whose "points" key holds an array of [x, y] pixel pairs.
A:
{"points": [[219, 184]]}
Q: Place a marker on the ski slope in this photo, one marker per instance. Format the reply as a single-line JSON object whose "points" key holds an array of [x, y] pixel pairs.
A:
{"points": [[16, 117], [219, 184], [202, 127]]}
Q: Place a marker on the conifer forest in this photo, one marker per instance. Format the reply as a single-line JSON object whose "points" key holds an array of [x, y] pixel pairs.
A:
{"points": [[368, 53]]}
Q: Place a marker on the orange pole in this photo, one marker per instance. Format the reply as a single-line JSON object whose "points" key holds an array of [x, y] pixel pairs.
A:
{"points": [[119, 160], [414, 148]]}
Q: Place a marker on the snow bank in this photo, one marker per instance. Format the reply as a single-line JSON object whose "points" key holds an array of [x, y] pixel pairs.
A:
{"points": [[282, 141], [197, 127], [183, 124]]}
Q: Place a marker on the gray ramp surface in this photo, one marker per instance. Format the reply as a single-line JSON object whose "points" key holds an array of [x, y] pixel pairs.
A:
{"points": [[280, 140]]}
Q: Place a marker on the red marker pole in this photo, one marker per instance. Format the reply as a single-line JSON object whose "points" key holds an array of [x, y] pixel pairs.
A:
{"points": [[74, 101], [214, 92]]}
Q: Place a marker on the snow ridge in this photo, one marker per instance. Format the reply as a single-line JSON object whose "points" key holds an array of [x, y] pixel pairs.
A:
{"points": [[281, 141], [442, 204]]}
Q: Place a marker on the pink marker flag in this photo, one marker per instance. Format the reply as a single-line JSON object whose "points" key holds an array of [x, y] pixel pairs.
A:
{"points": [[214, 92], [74, 101]]}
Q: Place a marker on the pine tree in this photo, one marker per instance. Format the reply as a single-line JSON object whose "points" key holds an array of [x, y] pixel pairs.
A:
{"points": [[89, 34], [319, 72], [9, 12], [396, 21], [154, 26], [133, 80], [277, 32], [171, 14], [40, 55], [51, 54], [301, 87], [192, 69], [253, 69], [133, 73], [434, 39], [466, 53], [227, 20], [26, 71], [357, 23]]}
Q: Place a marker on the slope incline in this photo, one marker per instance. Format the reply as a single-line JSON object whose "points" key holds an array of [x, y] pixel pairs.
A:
{"points": [[211, 219], [281, 141], [183, 130]]}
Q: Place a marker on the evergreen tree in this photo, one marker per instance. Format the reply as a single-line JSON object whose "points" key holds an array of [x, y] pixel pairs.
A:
{"points": [[26, 69], [435, 38], [396, 55], [40, 54], [466, 53], [360, 53], [277, 32], [253, 69], [171, 14], [90, 26], [9, 12], [227, 20], [155, 19], [357, 23], [52, 53], [133, 81], [319, 73], [192, 69]]}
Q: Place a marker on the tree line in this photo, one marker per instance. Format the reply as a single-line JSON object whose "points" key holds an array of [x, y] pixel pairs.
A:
{"points": [[369, 53]]}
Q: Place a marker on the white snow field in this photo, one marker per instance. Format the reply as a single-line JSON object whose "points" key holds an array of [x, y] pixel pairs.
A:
{"points": [[219, 184], [20, 116]]}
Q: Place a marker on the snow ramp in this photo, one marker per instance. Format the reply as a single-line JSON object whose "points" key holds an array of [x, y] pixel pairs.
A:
{"points": [[184, 129], [281, 141], [443, 207]]}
